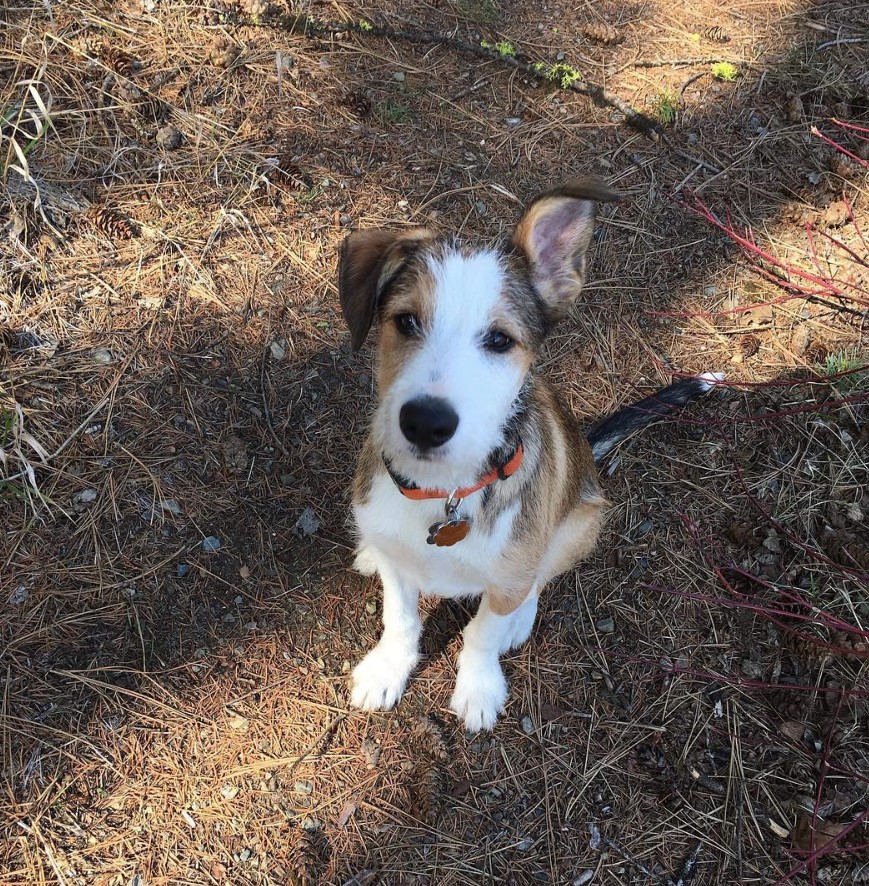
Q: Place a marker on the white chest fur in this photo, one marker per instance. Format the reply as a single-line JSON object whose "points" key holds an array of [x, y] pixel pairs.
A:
{"points": [[397, 527]]}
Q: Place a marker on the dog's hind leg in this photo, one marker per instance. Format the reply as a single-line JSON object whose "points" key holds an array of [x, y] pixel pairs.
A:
{"points": [[481, 688], [380, 678]]}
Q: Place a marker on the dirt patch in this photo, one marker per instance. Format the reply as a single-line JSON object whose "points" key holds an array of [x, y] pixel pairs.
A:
{"points": [[180, 414]]}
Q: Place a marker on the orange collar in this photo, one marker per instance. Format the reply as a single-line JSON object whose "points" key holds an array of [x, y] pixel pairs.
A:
{"points": [[412, 491]]}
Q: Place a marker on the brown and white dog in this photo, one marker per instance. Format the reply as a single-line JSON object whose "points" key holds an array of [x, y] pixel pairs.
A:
{"points": [[475, 479]]}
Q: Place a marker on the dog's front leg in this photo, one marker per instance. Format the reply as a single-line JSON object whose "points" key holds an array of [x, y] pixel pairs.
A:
{"points": [[481, 688], [380, 678]]}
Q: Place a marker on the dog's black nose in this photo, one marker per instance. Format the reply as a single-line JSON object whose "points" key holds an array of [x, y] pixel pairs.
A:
{"points": [[428, 422]]}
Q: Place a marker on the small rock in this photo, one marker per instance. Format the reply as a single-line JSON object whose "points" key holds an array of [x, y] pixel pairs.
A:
{"points": [[399, 76], [481, 208], [238, 723], [371, 752], [524, 844], [102, 355], [244, 572], [801, 339], [584, 878], [182, 569], [527, 725], [19, 595], [170, 506], [605, 625], [307, 524], [211, 544], [855, 512], [85, 497], [278, 350], [643, 528], [513, 121], [245, 854], [794, 109], [169, 137], [229, 791], [371, 607]]}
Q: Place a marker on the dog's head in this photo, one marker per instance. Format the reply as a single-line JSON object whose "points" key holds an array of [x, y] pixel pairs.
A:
{"points": [[459, 328]]}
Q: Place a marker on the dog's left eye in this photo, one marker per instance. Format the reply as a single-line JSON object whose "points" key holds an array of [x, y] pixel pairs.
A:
{"points": [[408, 325], [498, 342]]}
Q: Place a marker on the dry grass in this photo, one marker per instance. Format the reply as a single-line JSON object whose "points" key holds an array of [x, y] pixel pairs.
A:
{"points": [[173, 367]]}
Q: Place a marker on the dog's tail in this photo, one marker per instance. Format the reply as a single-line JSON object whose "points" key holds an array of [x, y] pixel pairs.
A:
{"points": [[611, 431]]}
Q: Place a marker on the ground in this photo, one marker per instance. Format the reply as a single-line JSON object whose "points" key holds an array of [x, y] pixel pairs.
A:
{"points": [[181, 413]]}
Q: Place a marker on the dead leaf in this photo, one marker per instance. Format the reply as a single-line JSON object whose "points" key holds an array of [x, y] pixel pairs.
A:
{"points": [[346, 814], [461, 787], [810, 835], [792, 729]]}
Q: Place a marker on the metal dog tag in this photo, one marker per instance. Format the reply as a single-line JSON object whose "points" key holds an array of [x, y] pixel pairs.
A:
{"points": [[452, 529]]}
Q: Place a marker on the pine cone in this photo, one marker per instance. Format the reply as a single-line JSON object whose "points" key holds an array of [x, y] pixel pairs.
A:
{"points": [[359, 103], [305, 859], [288, 171], [222, 52], [717, 34], [601, 32], [119, 61], [427, 785], [847, 167], [430, 731], [254, 8], [110, 223]]}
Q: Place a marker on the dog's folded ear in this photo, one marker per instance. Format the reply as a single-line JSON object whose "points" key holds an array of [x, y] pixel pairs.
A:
{"points": [[554, 234], [369, 263]]}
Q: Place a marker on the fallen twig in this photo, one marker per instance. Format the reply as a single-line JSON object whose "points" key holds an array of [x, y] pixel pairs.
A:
{"points": [[295, 23]]}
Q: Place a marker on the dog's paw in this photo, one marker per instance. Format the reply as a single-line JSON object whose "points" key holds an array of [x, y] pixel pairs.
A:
{"points": [[364, 562], [379, 679], [481, 691]]}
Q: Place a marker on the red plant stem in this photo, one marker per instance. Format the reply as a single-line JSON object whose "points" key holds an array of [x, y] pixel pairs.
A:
{"points": [[851, 126], [838, 147], [773, 615], [736, 682], [824, 768], [799, 600], [814, 254], [858, 259], [746, 241], [823, 850], [853, 218], [813, 553]]}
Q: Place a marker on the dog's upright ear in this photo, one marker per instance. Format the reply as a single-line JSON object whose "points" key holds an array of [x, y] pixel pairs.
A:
{"points": [[554, 234], [369, 262]]}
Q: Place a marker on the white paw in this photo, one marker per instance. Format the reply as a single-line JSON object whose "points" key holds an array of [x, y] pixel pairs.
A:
{"points": [[379, 679], [364, 562], [481, 691]]}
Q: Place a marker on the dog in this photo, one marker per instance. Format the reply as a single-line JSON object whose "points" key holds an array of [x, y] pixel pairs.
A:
{"points": [[475, 480]]}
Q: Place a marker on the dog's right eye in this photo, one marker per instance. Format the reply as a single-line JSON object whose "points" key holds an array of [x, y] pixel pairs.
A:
{"points": [[408, 325]]}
